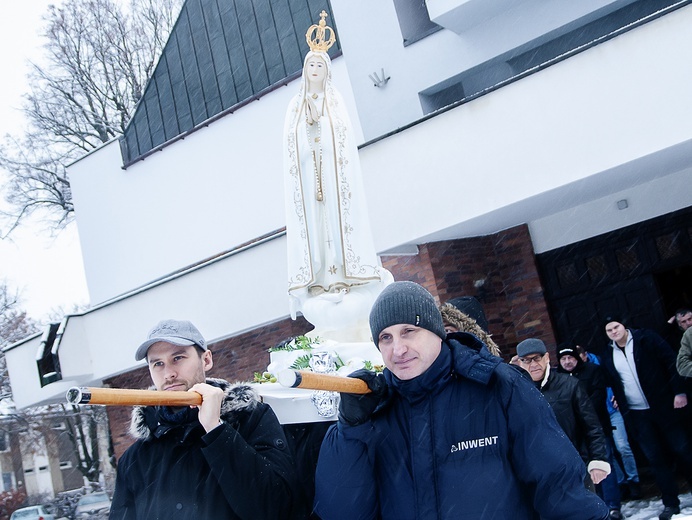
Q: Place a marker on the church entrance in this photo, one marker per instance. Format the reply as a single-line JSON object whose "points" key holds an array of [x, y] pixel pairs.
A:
{"points": [[642, 273]]}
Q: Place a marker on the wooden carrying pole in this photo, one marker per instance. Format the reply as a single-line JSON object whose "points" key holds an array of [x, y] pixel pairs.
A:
{"points": [[124, 397], [315, 381]]}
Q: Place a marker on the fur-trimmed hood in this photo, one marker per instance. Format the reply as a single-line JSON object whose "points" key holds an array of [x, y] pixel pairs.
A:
{"points": [[239, 397], [465, 323]]}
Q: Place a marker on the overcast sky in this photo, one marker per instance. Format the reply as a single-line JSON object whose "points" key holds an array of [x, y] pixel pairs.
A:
{"points": [[47, 271]]}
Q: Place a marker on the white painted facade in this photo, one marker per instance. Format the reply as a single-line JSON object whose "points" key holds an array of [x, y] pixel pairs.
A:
{"points": [[556, 149], [481, 31], [38, 479], [218, 188]]}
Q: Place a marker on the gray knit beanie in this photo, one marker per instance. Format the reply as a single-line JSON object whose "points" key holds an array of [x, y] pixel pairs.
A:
{"points": [[405, 302]]}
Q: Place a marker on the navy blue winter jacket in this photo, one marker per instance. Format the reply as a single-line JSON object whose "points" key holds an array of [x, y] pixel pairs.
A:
{"points": [[470, 438]]}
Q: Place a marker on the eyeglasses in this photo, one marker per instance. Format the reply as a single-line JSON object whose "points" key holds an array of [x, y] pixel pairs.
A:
{"points": [[533, 359]]}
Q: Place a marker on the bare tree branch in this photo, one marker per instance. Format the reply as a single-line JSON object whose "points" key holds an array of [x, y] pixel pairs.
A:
{"points": [[14, 323], [98, 57]]}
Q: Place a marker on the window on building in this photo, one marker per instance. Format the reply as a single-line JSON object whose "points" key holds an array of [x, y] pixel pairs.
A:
{"points": [[66, 464], [414, 20], [47, 359], [7, 482], [28, 471], [546, 50], [4, 442]]}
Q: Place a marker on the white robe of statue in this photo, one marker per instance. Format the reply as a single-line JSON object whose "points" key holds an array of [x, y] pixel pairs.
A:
{"points": [[334, 274]]}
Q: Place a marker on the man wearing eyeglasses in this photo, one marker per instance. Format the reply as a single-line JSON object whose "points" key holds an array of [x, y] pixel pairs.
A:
{"points": [[572, 407]]}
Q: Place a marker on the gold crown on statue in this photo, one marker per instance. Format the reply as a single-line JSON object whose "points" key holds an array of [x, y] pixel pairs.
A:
{"points": [[318, 43]]}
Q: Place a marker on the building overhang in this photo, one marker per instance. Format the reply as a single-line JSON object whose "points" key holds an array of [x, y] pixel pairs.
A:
{"points": [[100, 343], [460, 16]]}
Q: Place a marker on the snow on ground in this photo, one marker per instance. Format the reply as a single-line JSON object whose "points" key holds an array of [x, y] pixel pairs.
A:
{"points": [[650, 508]]}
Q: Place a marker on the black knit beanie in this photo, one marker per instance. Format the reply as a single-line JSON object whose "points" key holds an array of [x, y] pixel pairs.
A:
{"points": [[567, 350], [405, 302], [472, 308], [612, 318]]}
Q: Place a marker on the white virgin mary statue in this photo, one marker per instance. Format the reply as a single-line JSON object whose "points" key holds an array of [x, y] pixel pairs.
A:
{"points": [[334, 273]]}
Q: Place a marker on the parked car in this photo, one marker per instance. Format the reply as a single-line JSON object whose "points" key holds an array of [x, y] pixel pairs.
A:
{"points": [[32, 513], [93, 505]]}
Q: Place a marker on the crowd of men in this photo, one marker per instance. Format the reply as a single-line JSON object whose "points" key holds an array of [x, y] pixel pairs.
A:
{"points": [[448, 430], [636, 386]]}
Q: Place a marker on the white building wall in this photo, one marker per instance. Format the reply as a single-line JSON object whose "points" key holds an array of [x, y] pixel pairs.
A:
{"points": [[507, 25], [217, 189], [602, 215], [38, 481], [563, 136], [484, 162]]}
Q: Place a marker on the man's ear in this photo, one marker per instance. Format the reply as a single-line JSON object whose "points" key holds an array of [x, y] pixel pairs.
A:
{"points": [[207, 360]]}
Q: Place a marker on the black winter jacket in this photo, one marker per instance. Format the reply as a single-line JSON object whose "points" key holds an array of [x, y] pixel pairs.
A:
{"points": [[576, 415], [659, 379], [593, 380], [241, 469]]}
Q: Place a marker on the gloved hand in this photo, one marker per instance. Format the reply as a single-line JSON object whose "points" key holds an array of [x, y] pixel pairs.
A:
{"points": [[355, 409]]}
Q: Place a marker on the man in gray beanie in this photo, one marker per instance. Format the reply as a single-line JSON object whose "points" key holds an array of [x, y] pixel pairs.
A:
{"points": [[442, 425]]}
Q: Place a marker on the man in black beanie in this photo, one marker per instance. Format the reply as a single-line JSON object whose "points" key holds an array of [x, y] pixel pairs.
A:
{"points": [[444, 424], [640, 367]]}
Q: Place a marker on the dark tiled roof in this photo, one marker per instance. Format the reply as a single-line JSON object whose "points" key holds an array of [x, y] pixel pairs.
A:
{"points": [[220, 55]]}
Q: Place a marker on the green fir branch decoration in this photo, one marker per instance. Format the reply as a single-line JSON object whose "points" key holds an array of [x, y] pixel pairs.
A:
{"points": [[297, 343], [302, 363]]}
